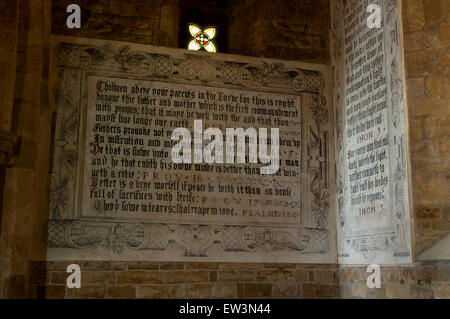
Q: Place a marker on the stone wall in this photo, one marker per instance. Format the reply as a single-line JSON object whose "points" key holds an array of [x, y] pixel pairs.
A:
{"points": [[25, 167], [185, 280], [421, 280], [293, 30], [427, 54], [299, 32], [148, 22]]}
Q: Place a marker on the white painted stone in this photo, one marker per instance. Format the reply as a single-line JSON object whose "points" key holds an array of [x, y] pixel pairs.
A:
{"points": [[373, 199], [128, 216]]}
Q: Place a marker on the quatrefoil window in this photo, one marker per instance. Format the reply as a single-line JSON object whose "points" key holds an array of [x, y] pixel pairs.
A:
{"points": [[202, 38]]}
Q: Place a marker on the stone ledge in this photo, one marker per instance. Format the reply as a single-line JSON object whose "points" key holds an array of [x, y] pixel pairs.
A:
{"points": [[439, 251]]}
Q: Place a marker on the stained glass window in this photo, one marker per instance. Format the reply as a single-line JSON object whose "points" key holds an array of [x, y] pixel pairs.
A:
{"points": [[201, 38]]}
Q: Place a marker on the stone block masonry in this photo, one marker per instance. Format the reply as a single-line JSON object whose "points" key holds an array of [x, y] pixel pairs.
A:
{"points": [[294, 30], [236, 280], [101, 279], [150, 22], [427, 280], [427, 54]]}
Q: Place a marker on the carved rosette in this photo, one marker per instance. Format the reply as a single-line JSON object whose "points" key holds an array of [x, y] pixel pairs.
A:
{"points": [[163, 65]]}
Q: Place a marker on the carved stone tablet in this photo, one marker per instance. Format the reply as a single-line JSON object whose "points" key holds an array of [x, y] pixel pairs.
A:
{"points": [[116, 192], [372, 180]]}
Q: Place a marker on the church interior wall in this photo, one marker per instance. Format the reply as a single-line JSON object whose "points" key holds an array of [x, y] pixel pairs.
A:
{"points": [[299, 31]]}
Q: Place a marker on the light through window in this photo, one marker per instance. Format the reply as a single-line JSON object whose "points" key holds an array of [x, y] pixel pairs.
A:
{"points": [[202, 38]]}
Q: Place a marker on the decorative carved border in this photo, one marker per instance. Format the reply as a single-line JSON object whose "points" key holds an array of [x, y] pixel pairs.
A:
{"points": [[192, 67], [8, 143], [64, 230]]}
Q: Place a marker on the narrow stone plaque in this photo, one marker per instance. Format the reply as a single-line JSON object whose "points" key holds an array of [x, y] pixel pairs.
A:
{"points": [[118, 194], [372, 165]]}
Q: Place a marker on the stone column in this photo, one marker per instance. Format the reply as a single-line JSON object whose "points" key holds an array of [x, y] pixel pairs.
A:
{"points": [[21, 102]]}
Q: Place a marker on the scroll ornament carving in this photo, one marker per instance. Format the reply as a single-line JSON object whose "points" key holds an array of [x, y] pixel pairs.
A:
{"points": [[195, 239]]}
